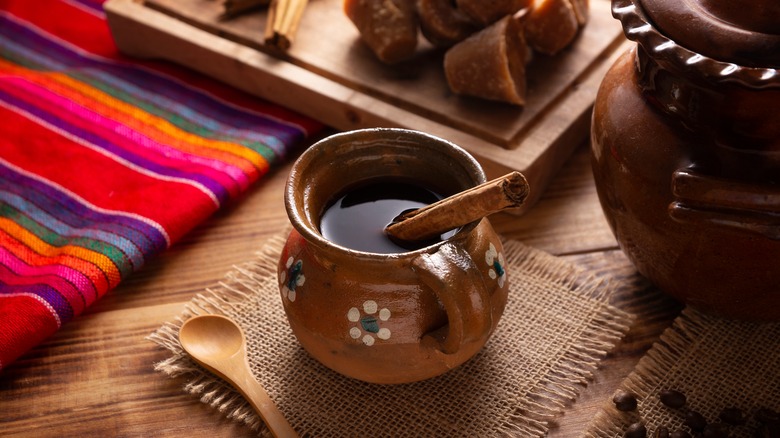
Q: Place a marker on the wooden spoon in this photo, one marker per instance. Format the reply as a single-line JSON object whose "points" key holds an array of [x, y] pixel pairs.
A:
{"points": [[218, 344]]}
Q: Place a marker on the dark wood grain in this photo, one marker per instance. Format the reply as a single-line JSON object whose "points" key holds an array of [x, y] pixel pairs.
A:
{"points": [[95, 377]]}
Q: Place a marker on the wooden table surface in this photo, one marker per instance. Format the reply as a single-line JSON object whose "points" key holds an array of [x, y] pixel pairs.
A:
{"points": [[95, 376]]}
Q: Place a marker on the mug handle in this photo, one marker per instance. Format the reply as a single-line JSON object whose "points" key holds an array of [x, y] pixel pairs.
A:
{"points": [[745, 206], [449, 273]]}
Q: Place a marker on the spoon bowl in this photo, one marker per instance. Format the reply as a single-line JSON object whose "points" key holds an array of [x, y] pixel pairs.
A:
{"points": [[218, 344], [211, 336]]}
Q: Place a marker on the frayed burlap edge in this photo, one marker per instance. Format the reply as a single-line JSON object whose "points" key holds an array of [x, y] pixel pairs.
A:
{"points": [[238, 285], [610, 422], [654, 372], [557, 390], [535, 410]]}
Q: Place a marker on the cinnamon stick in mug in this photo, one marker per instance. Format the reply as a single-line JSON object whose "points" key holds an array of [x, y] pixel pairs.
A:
{"points": [[508, 191]]}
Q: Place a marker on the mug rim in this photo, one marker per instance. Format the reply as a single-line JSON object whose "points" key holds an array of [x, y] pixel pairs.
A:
{"points": [[315, 237]]}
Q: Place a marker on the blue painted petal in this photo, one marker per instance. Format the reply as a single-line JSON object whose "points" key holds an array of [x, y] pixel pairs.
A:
{"points": [[369, 324], [295, 271], [499, 269]]}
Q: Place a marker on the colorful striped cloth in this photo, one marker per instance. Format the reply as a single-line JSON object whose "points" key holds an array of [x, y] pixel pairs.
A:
{"points": [[105, 161]]}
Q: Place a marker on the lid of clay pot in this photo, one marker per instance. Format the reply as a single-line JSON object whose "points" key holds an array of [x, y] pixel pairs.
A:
{"points": [[716, 40], [746, 32]]}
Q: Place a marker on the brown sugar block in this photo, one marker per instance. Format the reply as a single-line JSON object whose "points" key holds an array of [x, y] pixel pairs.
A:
{"points": [[388, 27], [443, 24], [551, 25], [490, 64], [486, 12]]}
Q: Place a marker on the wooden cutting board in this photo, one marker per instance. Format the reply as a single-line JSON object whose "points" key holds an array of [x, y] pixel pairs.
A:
{"points": [[329, 75]]}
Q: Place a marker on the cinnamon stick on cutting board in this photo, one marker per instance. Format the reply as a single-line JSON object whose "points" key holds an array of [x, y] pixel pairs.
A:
{"points": [[508, 191], [283, 19]]}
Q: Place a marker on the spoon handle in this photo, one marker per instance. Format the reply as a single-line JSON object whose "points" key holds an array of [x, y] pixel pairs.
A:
{"points": [[259, 399]]}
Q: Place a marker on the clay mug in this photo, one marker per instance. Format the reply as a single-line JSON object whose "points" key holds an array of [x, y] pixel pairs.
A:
{"points": [[388, 318]]}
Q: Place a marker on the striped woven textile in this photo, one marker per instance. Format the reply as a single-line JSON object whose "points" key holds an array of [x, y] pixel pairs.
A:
{"points": [[105, 161]]}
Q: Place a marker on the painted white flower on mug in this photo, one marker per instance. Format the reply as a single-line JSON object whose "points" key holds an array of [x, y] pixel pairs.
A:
{"points": [[292, 278], [368, 323], [495, 260]]}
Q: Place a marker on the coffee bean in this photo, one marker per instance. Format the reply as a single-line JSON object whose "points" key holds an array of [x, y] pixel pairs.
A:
{"points": [[695, 421], [624, 401], [672, 398], [661, 432], [636, 430], [732, 416], [768, 420]]}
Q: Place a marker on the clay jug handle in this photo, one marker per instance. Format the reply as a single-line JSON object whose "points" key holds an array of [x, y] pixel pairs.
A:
{"points": [[746, 206], [452, 275]]}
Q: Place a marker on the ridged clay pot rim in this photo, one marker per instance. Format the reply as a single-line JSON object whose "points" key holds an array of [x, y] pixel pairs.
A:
{"points": [[637, 27]]}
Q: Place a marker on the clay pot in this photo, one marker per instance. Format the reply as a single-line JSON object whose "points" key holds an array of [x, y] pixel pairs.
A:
{"points": [[686, 151], [388, 318]]}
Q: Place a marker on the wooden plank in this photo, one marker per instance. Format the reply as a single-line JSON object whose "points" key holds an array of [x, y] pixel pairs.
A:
{"points": [[327, 43], [568, 219], [95, 378], [331, 77]]}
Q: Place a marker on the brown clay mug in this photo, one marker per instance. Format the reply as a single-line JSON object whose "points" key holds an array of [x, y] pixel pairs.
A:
{"points": [[388, 318]]}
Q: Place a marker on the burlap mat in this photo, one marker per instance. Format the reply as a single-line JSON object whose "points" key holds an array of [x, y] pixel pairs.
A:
{"points": [[716, 363], [556, 328]]}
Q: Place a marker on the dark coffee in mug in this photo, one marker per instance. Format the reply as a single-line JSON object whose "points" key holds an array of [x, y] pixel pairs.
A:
{"points": [[358, 218]]}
